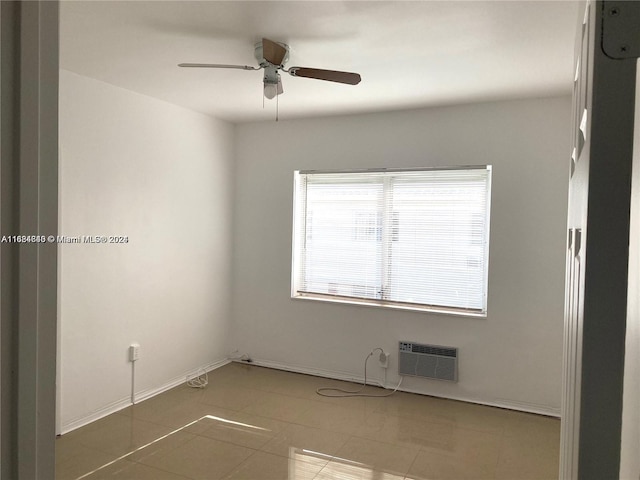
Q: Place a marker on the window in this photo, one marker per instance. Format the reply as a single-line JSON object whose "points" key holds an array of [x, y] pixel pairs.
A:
{"points": [[416, 239]]}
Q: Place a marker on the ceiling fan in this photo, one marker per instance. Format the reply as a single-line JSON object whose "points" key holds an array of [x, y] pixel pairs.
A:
{"points": [[271, 57]]}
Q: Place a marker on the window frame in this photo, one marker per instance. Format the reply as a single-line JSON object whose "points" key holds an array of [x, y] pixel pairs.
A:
{"points": [[299, 204]]}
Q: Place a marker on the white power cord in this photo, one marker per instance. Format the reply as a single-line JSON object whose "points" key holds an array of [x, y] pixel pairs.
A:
{"points": [[133, 383], [358, 393], [199, 381]]}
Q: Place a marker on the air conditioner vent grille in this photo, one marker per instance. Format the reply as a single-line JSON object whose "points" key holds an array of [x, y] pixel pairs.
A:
{"points": [[429, 361], [444, 352]]}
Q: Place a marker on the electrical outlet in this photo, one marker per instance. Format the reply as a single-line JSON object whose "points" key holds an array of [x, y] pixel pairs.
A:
{"points": [[384, 359], [134, 352]]}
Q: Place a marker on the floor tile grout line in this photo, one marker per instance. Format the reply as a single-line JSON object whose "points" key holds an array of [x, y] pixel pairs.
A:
{"points": [[138, 449], [163, 470], [233, 469], [406, 475]]}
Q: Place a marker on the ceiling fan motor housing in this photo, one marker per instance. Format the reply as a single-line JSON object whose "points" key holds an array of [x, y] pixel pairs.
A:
{"points": [[271, 75]]}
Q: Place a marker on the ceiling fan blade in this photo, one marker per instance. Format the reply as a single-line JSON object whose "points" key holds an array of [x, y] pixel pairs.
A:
{"points": [[273, 52], [217, 65], [328, 75]]}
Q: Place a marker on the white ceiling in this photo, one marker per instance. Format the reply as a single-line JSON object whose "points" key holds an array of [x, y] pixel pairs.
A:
{"points": [[410, 54]]}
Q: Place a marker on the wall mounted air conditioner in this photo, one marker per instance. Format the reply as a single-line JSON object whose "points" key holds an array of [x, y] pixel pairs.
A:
{"points": [[428, 361]]}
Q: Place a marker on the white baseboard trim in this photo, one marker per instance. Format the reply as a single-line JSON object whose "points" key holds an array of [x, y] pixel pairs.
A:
{"points": [[112, 407], [500, 403], [125, 402], [152, 392]]}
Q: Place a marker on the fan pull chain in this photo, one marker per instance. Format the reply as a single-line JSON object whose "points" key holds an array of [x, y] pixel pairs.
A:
{"points": [[277, 103]]}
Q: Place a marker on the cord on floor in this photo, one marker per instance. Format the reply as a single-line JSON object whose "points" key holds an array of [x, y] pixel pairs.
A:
{"points": [[199, 381], [340, 393]]}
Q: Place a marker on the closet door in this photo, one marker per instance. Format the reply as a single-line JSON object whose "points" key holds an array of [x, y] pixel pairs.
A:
{"points": [[598, 239]]}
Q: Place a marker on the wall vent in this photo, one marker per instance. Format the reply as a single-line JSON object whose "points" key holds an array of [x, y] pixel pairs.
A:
{"points": [[429, 361]]}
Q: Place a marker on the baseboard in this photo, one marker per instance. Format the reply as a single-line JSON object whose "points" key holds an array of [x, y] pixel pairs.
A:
{"points": [[152, 392], [125, 402], [316, 372], [112, 407], [528, 407], [500, 403]]}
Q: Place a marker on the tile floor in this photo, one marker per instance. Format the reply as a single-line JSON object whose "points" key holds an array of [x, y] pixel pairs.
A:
{"points": [[256, 423]]}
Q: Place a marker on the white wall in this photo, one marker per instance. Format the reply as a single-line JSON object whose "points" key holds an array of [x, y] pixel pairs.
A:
{"points": [[630, 446], [162, 175], [514, 356]]}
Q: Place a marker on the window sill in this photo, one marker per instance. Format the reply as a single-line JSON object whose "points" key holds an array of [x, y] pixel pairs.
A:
{"points": [[395, 306]]}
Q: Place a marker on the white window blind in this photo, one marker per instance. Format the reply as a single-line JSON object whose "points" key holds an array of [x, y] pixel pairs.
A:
{"points": [[414, 238]]}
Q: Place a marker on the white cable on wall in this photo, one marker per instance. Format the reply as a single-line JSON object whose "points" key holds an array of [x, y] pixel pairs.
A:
{"points": [[340, 393], [133, 383]]}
